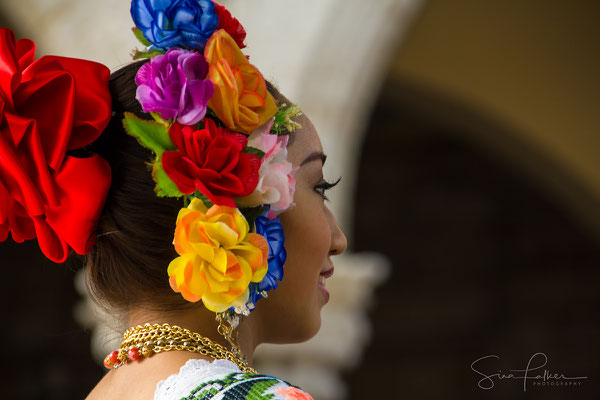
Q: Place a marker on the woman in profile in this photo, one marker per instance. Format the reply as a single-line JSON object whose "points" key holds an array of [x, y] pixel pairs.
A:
{"points": [[196, 194]]}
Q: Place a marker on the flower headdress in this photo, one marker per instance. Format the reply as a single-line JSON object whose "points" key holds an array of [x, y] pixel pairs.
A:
{"points": [[219, 140], [218, 136]]}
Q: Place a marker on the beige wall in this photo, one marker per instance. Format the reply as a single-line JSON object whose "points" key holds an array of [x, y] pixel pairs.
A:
{"points": [[533, 64]]}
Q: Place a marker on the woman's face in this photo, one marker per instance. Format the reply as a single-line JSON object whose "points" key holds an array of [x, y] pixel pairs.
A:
{"points": [[292, 312]]}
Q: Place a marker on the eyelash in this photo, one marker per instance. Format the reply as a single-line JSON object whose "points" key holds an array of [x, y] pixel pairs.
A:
{"points": [[324, 186]]}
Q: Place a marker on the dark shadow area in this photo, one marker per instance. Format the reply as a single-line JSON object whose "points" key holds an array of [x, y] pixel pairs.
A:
{"points": [[484, 262], [46, 352]]}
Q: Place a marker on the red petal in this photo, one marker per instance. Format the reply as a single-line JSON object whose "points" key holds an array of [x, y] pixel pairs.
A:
{"points": [[251, 179], [176, 135], [231, 25], [170, 161], [228, 184]]}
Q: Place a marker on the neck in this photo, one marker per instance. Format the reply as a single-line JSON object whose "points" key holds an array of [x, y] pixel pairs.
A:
{"points": [[202, 321]]}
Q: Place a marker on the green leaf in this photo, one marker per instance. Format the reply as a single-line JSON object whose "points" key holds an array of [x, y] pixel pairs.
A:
{"points": [[282, 121], [165, 187], [137, 55], [139, 35], [160, 119], [150, 134], [199, 195], [187, 199], [253, 150], [252, 213], [211, 114]]}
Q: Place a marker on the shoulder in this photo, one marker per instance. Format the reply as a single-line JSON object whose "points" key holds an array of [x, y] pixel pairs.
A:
{"points": [[221, 379]]}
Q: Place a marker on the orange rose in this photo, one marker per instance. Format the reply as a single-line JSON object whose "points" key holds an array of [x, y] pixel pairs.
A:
{"points": [[240, 100], [218, 256]]}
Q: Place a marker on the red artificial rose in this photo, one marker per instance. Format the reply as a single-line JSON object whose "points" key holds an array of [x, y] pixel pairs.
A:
{"points": [[231, 25], [212, 161], [48, 107]]}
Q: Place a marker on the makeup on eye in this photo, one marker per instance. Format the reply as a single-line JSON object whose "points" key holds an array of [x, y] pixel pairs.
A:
{"points": [[324, 186]]}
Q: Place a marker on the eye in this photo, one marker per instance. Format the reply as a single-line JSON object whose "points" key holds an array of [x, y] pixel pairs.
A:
{"points": [[324, 186]]}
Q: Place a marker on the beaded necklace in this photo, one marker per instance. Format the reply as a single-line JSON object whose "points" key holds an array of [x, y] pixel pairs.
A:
{"points": [[146, 340]]}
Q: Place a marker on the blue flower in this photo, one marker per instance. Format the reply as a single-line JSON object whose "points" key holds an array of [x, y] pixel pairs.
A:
{"points": [[272, 230], [175, 23]]}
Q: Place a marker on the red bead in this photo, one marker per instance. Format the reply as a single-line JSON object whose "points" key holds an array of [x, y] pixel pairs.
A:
{"points": [[133, 354], [113, 357]]}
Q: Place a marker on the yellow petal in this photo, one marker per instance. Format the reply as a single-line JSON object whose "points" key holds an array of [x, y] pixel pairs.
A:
{"points": [[220, 262], [219, 303], [222, 233], [247, 273], [205, 251], [185, 277], [197, 205]]}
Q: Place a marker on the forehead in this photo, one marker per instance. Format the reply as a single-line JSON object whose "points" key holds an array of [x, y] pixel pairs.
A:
{"points": [[306, 141]]}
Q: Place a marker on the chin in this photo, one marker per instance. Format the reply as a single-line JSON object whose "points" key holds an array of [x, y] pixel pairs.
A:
{"points": [[306, 331], [292, 326], [306, 323]]}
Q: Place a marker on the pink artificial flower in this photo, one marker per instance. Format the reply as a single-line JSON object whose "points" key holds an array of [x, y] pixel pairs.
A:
{"points": [[276, 183]]}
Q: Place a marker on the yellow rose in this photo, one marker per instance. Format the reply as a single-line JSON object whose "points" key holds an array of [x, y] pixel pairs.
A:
{"points": [[218, 257], [240, 99]]}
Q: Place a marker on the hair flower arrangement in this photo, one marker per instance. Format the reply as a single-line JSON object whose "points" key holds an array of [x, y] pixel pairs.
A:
{"points": [[219, 141]]}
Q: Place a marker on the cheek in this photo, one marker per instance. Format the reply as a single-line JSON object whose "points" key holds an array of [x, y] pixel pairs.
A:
{"points": [[307, 245], [293, 309]]}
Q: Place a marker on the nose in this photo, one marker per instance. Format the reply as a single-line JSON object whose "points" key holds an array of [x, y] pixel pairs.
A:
{"points": [[339, 243]]}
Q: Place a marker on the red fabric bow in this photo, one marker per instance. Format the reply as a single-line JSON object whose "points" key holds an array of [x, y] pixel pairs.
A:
{"points": [[48, 107]]}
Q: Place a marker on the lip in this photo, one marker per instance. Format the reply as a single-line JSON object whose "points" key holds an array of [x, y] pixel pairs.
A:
{"points": [[324, 291], [327, 273]]}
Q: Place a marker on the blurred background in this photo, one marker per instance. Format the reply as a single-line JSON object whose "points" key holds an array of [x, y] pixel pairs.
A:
{"points": [[467, 133]]}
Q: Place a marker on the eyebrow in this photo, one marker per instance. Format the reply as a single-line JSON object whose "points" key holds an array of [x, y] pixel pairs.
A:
{"points": [[317, 155]]}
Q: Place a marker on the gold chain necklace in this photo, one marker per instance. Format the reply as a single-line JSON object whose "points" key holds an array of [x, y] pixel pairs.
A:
{"points": [[149, 339]]}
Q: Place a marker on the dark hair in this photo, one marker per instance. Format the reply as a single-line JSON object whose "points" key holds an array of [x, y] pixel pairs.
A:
{"points": [[128, 264]]}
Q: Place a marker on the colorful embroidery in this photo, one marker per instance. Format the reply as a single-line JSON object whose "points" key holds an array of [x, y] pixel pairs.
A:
{"points": [[239, 385]]}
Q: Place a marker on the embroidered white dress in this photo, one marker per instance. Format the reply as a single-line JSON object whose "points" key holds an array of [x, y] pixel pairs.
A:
{"points": [[223, 380]]}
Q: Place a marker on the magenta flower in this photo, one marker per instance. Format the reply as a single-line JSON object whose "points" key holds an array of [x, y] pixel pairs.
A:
{"points": [[174, 85]]}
